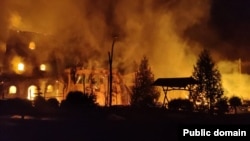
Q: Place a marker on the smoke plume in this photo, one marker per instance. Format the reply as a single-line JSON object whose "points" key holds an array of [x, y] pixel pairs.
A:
{"points": [[169, 32]]}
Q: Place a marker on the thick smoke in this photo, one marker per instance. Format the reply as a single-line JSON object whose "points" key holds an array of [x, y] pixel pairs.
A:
{"points": [[84, 30], [3, 27], [169, 32]]}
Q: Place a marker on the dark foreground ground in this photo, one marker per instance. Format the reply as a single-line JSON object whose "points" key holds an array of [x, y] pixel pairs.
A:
{"points": [[112, 127]]}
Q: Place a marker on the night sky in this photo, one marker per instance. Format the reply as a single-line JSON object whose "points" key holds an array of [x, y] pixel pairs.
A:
{"points": [[231, 21]]}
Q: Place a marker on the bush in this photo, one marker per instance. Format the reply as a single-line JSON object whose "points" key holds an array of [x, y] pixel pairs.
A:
{"points": [[222, 106], [53, 103], [76, 100], [180, 105], [17, 106], [39, 102]]}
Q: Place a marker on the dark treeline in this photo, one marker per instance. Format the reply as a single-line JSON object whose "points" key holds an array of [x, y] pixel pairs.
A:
{"points": [[76, 105], [75, 102], [80, 105]]}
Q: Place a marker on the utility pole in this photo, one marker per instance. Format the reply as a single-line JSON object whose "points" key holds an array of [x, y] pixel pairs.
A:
{"points": [[110, 55]]}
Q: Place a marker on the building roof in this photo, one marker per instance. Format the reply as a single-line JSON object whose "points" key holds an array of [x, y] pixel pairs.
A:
{"points": [[175, 82]]}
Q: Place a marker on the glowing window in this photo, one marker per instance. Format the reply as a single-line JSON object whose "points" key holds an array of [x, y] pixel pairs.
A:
{"points": [[43, 67], [12, 90], [32, 45], [20, 67], [32, 91], [49, 88]]}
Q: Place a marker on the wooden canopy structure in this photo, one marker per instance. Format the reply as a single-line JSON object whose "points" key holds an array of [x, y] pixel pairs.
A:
{"points": [[168, 84]]}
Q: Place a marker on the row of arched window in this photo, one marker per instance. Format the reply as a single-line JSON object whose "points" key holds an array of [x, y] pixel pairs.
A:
{"points": [[31, 92]]}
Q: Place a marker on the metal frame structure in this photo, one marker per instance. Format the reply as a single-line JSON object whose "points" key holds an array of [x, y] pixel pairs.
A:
{"points": [[169, 84]]}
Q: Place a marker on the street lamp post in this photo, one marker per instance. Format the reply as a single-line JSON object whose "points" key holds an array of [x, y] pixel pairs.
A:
{"points": [[110, 54]]}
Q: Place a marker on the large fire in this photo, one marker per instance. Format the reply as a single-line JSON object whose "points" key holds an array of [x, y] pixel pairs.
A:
{"points": [[170, 33]]}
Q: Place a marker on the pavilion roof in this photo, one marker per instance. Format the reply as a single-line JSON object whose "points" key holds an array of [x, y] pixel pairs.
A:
{"points": [[175, 82]]}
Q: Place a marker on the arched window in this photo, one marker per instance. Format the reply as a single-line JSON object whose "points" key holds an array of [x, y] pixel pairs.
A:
{"points": [[32, 91], [43, 67], [12, 89], [49, 88]]}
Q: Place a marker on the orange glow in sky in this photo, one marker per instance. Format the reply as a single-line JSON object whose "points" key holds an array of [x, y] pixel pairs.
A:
{"points": [[170, 33]]}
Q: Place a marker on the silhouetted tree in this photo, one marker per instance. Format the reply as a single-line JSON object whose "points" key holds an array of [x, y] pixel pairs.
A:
{"points": [[39, 102], [235, 101], [209, 88], [50, 107], [180, 105], [143, 93], [40, 106], [53, 103], [222, 106]]}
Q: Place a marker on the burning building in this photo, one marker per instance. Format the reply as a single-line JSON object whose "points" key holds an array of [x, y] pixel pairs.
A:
{"points": [[27, 70], [96, 81], [23, 73]]}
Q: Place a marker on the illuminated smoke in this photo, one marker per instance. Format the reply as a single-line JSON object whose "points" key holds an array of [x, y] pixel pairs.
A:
{"points": [[84, 29], [234, 81], [168, 32]]}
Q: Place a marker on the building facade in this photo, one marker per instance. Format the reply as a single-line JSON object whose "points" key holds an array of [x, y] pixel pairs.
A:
{"points": [[25, 71], [28, 69]]}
